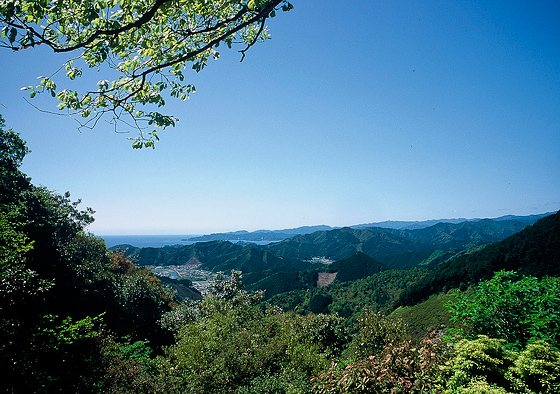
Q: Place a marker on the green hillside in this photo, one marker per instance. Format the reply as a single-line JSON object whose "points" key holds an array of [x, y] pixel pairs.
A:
{"points": [[277, 282], [533, 251], [214, 256], [357, 266], [460, 235], [378, 292], [396, 248], [390, 249]]}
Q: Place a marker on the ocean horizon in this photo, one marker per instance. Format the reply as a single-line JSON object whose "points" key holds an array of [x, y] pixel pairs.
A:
{"points": [[147, 241]]}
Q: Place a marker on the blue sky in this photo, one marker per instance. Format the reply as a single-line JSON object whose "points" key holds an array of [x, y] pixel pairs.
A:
{"points": [[354, 112]]}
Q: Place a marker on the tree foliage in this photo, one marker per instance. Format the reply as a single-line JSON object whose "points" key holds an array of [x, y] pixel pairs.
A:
{"points": [[147, 45], [483, 365], [517, 310], [233, 345], [403, 366], [64, 298]]}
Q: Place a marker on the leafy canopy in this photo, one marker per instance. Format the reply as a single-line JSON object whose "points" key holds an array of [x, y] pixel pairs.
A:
{"points": [[147, 43]]}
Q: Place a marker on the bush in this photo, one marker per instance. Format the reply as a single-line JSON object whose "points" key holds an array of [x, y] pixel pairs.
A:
{"points": [[233, 345], [375, 332], [483, 365], [398, 368], [516, 310], [537, 369]]}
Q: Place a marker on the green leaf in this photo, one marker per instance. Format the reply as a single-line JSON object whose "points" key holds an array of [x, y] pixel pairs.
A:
{"points": [[12, 35]]}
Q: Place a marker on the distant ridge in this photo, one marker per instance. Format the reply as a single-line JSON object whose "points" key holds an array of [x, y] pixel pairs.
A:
{"points": [[259, 235], [397, 248], [280, 235], [417, 225]]}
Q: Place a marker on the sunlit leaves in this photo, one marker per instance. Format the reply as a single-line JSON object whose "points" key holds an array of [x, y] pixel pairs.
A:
{"points": [[148, 44], [518, 310]]}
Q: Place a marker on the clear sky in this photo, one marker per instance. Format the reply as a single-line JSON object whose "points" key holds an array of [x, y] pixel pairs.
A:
{"points": [[354, 112]]}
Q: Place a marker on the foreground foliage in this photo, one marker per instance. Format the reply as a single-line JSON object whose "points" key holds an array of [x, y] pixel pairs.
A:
{"points": [[65, 300], [517, 310], [484, 365], [235, 345]]}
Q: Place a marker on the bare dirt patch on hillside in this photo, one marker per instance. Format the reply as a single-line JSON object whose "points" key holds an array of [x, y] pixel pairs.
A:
{"points": [[325, 278]]}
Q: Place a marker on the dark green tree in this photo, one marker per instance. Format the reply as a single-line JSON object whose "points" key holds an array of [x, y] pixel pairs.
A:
{"points": [[64, 296]]}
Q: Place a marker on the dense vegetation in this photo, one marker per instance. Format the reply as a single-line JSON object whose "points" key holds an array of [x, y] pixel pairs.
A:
{"points": [[68, 306], [76, 317], [532, 251], [213, 256]]}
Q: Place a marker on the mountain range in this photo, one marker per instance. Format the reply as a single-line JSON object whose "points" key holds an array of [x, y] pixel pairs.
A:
{"points": [[279, 235], [374, 262], [395, 248]]}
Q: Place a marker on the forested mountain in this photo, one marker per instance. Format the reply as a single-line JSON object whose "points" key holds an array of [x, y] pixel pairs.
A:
{"points": [[357, 266], [460, 235], [378, 292], [395, 248], [416, 225], [279, 235], [390, 249], [278, 268], [533, 251], [213, 256], [279, 281]]}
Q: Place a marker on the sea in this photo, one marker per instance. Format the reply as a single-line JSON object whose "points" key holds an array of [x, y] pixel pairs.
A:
{"points": [[146, 241], [159, 241]]}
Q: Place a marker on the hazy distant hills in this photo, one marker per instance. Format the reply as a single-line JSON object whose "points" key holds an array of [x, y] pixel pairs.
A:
{"points": [[259, 235], [279, 235], [416, 225]]}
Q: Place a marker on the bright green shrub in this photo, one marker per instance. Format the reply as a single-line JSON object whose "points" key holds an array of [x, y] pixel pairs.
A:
{"points": [[480, 359], [537, 369], [481, 387], [483, 365], [516, 310]]}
